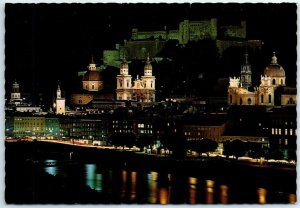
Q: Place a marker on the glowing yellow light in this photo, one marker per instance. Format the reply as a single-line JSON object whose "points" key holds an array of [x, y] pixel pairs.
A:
{"points": [[261, 195], [292, 198], [163, 196]]}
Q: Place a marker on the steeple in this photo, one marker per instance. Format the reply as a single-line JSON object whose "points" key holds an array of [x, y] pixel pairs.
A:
{"points": [[274, 59], [246, 72], [58, 91], [92, 61], [148, 67], [92, 65]]}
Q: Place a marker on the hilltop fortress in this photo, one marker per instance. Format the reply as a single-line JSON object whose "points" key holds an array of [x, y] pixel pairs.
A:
{"points": [[142, 43]]}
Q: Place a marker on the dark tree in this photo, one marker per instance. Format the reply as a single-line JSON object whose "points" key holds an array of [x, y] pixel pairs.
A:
{"points": [[235, 147], [203, 146], [123, 139], [144, 141]]}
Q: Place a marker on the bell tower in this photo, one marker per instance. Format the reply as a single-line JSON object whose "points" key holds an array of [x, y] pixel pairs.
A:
{"points": [[124, 84], [246, 73], [60, 102]]}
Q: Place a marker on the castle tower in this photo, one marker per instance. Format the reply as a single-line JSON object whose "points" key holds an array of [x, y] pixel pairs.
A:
{"points": [[15, 93], [123, 91], [60, 102], [246, 73], [148, 81]]}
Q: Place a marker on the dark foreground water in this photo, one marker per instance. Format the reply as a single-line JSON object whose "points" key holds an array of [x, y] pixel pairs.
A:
{"points": [[38, 172]]}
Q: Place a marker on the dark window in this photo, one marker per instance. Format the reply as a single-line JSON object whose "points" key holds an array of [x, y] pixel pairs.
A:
{"points": [[270, 98], [249, 101], [273, 81], [262, 98], [241, 101], [230, 99]]}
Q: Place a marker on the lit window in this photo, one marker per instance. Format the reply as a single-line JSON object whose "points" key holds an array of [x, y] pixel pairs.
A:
{"points": [[276, 131], [286, 141], [291, 131], [286, 132], [279, 131], [185, 133]]}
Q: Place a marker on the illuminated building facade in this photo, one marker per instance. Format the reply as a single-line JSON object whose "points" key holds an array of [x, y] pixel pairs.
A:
{"points": [[274, 76], [143, 89]]}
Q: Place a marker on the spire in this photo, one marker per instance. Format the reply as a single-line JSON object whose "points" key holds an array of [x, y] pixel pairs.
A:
{"points": [[148, 59], [274, 58], [58, 92], [246, 58], [92, 61], [124, 59]]}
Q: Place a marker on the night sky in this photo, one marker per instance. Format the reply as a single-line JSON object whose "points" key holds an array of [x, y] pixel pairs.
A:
{"points": [[50, 42]]}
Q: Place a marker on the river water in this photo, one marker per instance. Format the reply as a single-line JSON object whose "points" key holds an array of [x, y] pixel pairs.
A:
{"points": [[118, 185], [44, 173]]}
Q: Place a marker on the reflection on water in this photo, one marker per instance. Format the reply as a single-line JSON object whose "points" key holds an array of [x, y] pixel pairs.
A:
{"points": [[209, 192], [124, 180], [192, 190], [51, 167], [93, 179], [128, 186], [223, 194], [133, 186], [152, 187]]}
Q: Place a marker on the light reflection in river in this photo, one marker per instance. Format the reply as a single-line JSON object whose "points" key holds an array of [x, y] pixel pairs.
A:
{"points": [[132, 186], [93, 179], [51, 167]]}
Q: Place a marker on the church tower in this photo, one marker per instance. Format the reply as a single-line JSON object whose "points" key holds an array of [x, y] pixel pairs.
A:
{"points": [[266, 91], [123, 91], [60, 102], [148, 81], [15, 96], [246, 73]]}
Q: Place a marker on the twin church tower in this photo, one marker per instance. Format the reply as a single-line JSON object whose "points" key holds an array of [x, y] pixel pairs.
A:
{"points": [[142, 89]]}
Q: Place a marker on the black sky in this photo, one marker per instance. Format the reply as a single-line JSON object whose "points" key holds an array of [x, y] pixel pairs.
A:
{"points": [[49, 42]]}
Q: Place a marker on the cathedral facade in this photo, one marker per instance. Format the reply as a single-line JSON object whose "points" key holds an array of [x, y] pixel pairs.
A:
{"points": [[240, 92], [141, 90]]}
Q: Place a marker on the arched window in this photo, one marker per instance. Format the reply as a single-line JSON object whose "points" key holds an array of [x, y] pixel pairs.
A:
{"points": [[127, 83], [249, 101], [151, 84], [241, 101], [281, 81], [230, 98], [270, 98], [262, 98], [93, 86], [120, 83], [273, 82]]}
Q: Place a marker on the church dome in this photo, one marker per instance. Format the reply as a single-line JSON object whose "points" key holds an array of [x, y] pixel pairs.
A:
{"points": [[92, 76], [274, 69]]}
